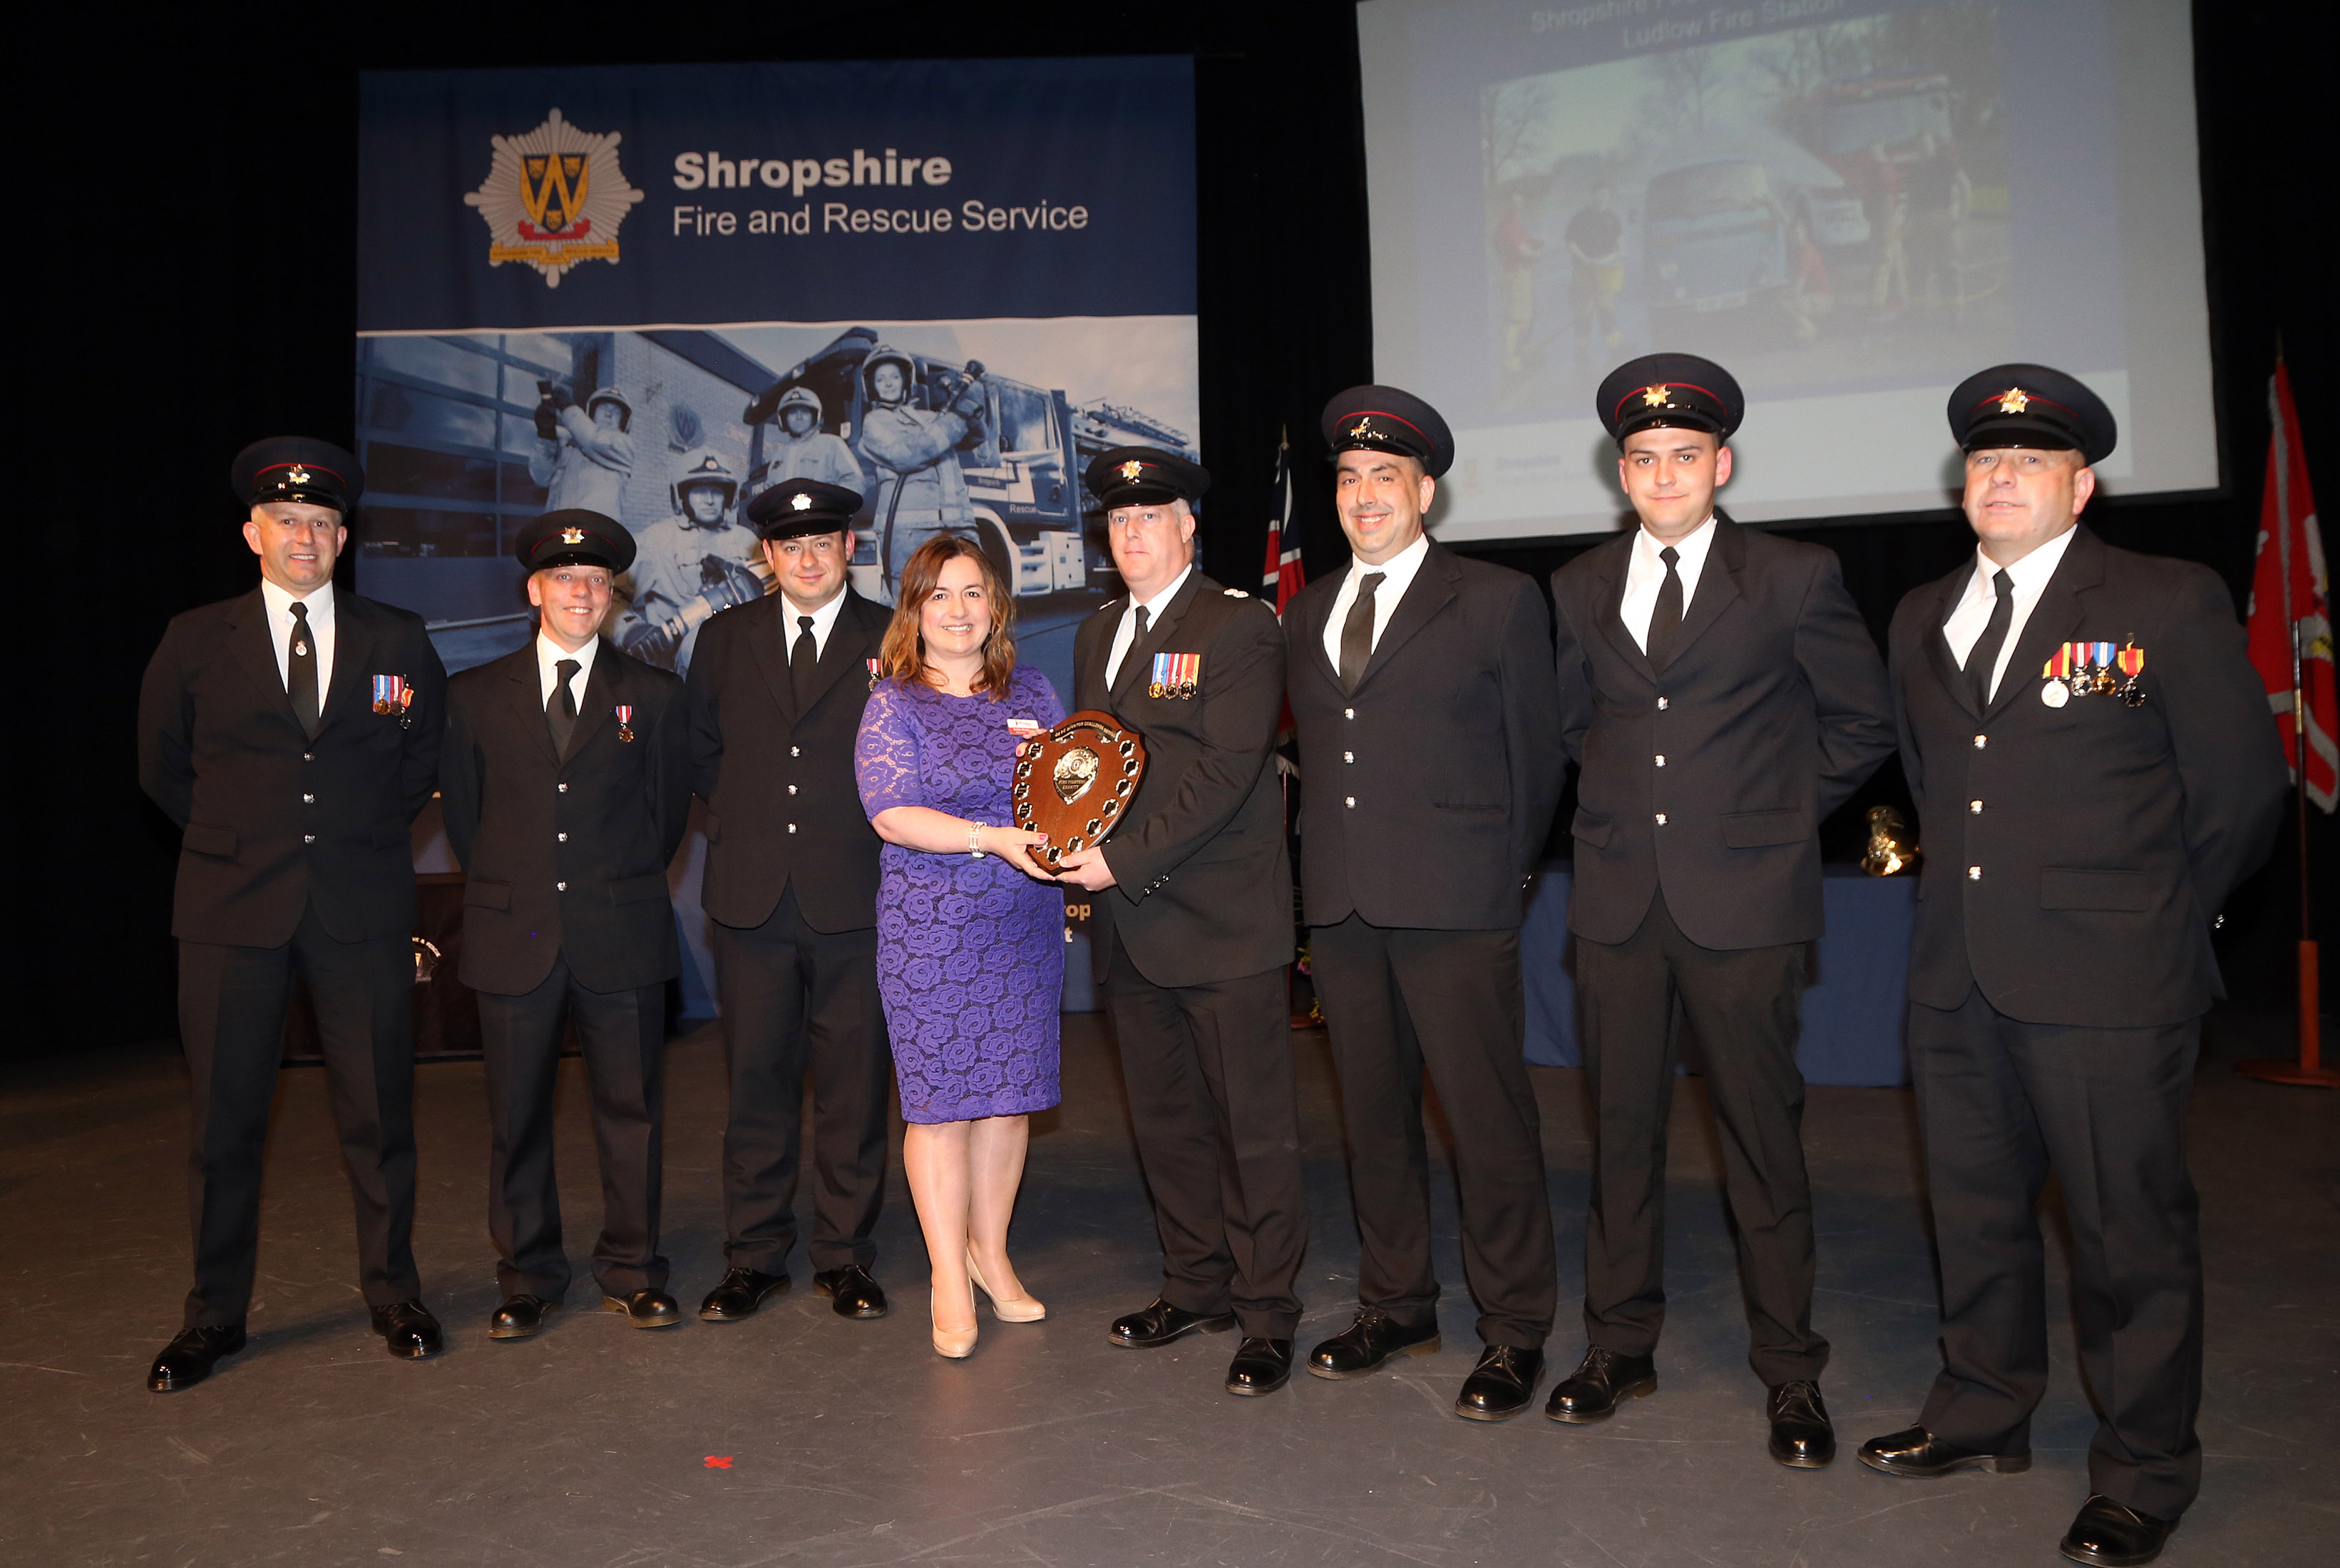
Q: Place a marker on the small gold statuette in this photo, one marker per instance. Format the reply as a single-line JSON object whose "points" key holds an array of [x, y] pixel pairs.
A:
{"points": [[1891, 853]]}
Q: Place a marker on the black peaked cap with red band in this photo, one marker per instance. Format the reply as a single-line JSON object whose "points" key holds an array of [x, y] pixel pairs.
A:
{"points": [[296, 468], [1682, 392], [2031, 405], [574, 537], [795, 508], [1144, 476], [1384, 419]]}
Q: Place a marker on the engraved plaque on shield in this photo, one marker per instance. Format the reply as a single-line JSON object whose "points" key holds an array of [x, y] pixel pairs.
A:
{"points": [[1075, 783]]}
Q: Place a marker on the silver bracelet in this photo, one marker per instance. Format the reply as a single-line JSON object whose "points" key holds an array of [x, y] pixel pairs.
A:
{"points": [[972, 829]]}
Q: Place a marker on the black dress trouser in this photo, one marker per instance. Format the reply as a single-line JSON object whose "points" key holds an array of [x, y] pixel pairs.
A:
{"points": [[231, 1005], [796, 998], [1745, 1003], [1210, 1099], [624, 1036], [1398, 1001], [2001, 1103]]}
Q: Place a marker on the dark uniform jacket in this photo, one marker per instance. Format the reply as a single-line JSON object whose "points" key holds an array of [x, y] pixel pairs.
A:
{"points": [[1771, 710], [566, 855], [272, 820], [2075, 857], [1203, 879], [1425, 797], [779, 784]]}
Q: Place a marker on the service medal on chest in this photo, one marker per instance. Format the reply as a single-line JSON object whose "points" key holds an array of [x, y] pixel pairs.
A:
{"points": [[625, 713]]}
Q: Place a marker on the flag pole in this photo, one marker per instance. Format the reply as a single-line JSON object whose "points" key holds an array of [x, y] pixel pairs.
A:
{"points": [[2307, 1070]]}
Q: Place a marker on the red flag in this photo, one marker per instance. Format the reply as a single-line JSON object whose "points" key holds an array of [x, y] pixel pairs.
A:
{"points": [[1282, 578], [2291, 615]]}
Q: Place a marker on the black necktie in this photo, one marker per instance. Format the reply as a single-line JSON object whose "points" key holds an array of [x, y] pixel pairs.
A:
{"points": [[803, 658], [300, 672], [561, 707], [1357, 633], [1665, 620], [1985, 657]]}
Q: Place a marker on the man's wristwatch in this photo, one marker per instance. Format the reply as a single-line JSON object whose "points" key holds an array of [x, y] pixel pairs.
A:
{"points": [[973, 829]]}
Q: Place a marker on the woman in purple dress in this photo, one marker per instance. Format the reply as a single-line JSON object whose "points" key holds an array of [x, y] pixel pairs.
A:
{"points": [[970, 931]]}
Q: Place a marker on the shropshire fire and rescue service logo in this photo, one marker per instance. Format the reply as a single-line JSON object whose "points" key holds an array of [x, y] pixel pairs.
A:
{"points": [[554, 198]]}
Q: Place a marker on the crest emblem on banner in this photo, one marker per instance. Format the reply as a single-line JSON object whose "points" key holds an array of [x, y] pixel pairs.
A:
{"points": [[554, 197]]}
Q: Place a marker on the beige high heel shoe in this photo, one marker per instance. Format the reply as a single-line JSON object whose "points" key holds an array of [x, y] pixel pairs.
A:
{"points": [[1012, 1309], [956, 1343]]}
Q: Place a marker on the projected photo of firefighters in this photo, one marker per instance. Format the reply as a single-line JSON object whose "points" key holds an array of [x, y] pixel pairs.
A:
{"points": [[1791, 201]]}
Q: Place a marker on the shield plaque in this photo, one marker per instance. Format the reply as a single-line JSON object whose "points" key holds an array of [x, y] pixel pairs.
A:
{"points": [[1076, 782]]}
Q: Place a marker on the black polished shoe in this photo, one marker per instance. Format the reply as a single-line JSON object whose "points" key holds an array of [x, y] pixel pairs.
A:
{"points": [[1502, 1384], [851, 1292], [2108, 1534], [1260, 1366], [1603, 1377], [521, 1318], [646, 1309], [409, 1330], [1158, 1325], [188, 1359], [741, 1292], [1918, 1454], [1802, 1437], [1370, 1343]]}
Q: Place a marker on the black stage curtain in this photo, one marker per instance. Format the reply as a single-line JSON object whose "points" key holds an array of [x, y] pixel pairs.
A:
{"points": [[187, 210]]}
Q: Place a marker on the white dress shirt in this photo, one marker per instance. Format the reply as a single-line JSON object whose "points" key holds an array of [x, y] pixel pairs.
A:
{"points": [[1124, 636], [1972, 612], [321, 633], [1645, 574], [824, 620], [1397, 576], [549, 654]]}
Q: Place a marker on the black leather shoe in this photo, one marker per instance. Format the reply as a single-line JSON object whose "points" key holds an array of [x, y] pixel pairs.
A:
{"points": [[521, 1318], [1603, 1377], [409, 1330], [2104, 1532], [742, 1291], [1260, 1366], [1918, 1454], [1502, 1384], [188, 1359], [646, 1309], [1161, 1323], [1370, 1343], [851, 1292], [1802, 1437]]}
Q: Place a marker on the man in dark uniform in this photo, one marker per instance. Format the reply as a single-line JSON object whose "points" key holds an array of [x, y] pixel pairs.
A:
{"points": [[566, 782], [2094, 770], [1429, 761], [292, 735], [792, 887], [1192, 929], [1721, 696]]}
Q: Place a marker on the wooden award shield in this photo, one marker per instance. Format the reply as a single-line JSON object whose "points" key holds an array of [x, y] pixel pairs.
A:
{"points": [[1076, 782]]}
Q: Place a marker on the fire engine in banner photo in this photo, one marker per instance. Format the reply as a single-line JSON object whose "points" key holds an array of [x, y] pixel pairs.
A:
{"points": [[946, 447]]}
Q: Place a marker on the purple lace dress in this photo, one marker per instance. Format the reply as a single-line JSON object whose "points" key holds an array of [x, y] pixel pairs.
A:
{"points": [[970, 953]]}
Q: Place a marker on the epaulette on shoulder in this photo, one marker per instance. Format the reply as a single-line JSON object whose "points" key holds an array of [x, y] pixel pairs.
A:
{"points": [[1234, 593]]}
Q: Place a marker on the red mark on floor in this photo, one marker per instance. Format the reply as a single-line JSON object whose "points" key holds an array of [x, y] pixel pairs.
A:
{"points": [[718, 1461]]}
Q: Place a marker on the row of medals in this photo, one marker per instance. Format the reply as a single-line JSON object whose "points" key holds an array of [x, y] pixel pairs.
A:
{"points": [[2090, 674]]}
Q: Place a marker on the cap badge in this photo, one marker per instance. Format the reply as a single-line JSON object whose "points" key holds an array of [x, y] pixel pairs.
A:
{"points": [[299, 475], [1131, 470], [572, 536], [1653, 396], [2014, 400], [1364, 428], [801, 501]]}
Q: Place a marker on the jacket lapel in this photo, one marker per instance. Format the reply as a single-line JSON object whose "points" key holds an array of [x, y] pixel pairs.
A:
{"points": [[1308, 626], [1157, 632], [604, 689], [353, 640], [1432, 591], [767, 644], [2057, 615], [1609, 615], [1716, 588], [255, 649], [1091, 645], [524, 694], [1937, 645], [846, 648]]}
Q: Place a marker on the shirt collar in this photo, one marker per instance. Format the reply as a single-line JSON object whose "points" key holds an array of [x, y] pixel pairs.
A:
{"points": [[280, 603], [1155, 606], [1690, 551], [549, 655], [1397, 571], [2030, 574], [823, 619]]}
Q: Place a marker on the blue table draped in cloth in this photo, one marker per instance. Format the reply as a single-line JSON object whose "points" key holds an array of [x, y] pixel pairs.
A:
{"points": [[1853, 1006]]}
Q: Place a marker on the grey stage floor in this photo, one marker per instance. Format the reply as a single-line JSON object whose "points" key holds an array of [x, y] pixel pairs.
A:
{"points": [[799, 1438]]}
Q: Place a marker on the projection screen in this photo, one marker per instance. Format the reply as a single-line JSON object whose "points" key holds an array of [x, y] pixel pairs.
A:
{"points": [[1851, 204]]}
